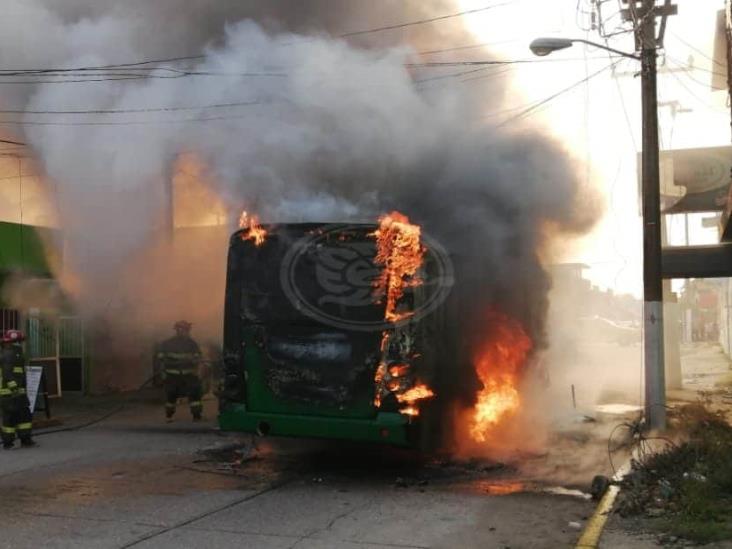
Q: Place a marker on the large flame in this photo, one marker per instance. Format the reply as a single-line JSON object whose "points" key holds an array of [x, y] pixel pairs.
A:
{"points": [[498, 364], [254, 231], [401, 254]]}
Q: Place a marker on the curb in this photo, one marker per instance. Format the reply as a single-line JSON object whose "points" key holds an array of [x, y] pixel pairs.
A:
{"points": [[590, 537]]}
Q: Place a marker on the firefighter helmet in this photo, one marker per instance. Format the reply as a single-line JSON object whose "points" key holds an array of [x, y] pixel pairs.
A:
{"points": [[182, 325], [13, 336]]}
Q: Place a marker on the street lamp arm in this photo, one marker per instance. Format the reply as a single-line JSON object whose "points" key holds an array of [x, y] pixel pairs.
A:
{"points": [[607, 48], [545, 46]]}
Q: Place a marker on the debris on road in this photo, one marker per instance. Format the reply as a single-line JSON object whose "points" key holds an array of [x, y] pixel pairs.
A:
{"points": [[687, 485]]}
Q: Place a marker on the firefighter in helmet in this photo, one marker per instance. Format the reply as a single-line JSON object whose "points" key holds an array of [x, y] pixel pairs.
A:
{"points": [[17, 417], [178, 362]]}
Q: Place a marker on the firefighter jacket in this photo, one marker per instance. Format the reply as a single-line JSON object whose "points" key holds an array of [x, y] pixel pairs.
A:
{"points": [[179, 355], [12, 369]]}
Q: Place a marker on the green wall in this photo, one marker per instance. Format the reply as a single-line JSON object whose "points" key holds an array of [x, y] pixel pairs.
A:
{"points": [[22, 249]]}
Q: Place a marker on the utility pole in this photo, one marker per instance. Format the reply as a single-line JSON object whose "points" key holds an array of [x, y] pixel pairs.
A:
{"points": [[643, 15]]}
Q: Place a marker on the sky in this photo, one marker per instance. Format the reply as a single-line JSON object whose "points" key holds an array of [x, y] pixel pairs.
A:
{"points": [[600, 120]]}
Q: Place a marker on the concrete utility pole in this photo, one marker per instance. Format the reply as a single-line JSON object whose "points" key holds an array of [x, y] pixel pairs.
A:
{"points": [[643, 14]]}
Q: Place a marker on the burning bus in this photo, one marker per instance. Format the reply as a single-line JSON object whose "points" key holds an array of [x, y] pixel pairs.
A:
{"points": [[347, 332], [331, 331]]}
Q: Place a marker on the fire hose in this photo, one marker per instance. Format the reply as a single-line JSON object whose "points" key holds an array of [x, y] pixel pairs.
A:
{"points": [[106, 416], [113, 412]]}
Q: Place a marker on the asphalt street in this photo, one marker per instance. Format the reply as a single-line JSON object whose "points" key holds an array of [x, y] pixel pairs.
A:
{"points": [[135, 481]]}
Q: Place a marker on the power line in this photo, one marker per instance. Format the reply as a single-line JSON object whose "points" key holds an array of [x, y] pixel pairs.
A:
{"points": [[697, 50], [120, 123], [86, 77], [543, 102], [459, 63], [424, 21], [470, 47], [692, 93], [198, 57], [138, 110], [10, 142]]}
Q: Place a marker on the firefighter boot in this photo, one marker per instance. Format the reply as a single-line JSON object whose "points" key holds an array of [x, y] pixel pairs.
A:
{"points": [[8, 438], [169, 411], [196, 410], [27, 442]]}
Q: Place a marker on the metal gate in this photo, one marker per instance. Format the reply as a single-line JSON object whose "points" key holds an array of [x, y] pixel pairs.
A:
{"points": [[42, 349], [71, 353], [9, 319]]}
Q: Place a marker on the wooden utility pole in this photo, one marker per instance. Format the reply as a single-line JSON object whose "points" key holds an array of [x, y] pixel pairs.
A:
{"points": [[643, 15]]}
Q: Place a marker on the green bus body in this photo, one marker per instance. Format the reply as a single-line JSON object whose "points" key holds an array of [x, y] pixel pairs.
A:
{"points": [[290, 373]]}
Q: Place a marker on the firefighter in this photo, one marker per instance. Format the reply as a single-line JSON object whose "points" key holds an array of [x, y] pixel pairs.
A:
{"points": [[17, 417], [179, 359]]}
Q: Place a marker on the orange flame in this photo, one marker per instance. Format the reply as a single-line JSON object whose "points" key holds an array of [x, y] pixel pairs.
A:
{"points": [[401, 253], [418, 392], [254, 231], [498, 364]]}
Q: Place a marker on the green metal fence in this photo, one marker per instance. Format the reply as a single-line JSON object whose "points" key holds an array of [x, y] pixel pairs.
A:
{"points": [[42, 336], [71, 337]]}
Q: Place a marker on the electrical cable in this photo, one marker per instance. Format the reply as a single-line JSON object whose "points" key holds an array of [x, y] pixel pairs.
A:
{"points": [[693, 94], [123, 123], [470, 47], [198, 57], [697, 50], [533, 108], [138, 110], [9, 142], [425, 21]]}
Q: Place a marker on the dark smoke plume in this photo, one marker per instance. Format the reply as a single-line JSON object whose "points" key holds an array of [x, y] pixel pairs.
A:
{"points": [[325, 129]]}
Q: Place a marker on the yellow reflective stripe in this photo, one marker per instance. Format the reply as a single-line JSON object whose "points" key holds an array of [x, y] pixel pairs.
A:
{"points": [[8, 430], [5, 392], [24, 426], [20, 370], [21, 391], [196, 403], [178, 372], [12, 385]]}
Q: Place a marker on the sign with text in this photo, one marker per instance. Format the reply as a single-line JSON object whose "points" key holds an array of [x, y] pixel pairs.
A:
{"points": [[694, 180]]}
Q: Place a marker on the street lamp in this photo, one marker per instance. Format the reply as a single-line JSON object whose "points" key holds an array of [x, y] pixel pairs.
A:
{"points": [[545, 46], [653, 349]]}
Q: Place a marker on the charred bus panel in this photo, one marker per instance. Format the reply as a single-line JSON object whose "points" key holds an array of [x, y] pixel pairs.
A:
{"points": [[302, 341]]}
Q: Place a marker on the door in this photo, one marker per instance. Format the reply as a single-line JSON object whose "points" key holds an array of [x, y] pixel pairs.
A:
{"points": [[71, 353]]}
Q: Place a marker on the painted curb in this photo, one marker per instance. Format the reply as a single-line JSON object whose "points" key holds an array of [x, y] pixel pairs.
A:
{"points": [[590, 537]]}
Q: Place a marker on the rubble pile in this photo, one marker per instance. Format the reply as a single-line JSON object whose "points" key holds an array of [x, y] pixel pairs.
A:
{"points": [[689, 483]]}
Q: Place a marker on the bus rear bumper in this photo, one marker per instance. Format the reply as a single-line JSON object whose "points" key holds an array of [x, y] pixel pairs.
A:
{"points": [[385, 427]]}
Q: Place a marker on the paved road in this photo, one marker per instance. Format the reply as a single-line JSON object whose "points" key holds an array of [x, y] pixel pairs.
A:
{"points": [[133, 481]]}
